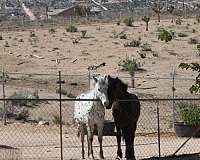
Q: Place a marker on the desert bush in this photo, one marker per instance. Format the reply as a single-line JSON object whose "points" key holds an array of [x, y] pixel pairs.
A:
{"points": [[56, 120], [128, 22], [71, 28], [179, 21], [66, 93], [52, 30], [165, 35], [118, 23], [32, 34], [146, 47], [198, 19], [6, 44], [181, 34], [1, 37], [120, 35], [198, 49], [193, 30], [129, 64], [133, 43], [83, 33], [193, 41]]}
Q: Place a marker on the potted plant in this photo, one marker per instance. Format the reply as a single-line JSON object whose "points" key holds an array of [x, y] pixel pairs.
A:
{"points": [[188, 124]]}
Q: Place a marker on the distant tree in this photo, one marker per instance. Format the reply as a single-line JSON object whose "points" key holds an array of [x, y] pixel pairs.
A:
{"points": [[170, 9], [157, 8], [146, 19]]}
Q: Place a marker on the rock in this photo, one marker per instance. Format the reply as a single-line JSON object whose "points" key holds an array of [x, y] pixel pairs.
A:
{"points": [[43, 123]]}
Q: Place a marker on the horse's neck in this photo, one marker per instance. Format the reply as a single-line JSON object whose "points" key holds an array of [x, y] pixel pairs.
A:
{"points": [[123, 95]]}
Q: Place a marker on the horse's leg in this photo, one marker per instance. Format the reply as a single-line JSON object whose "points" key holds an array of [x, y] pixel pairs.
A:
{"points": [[129, 135], [90, 139], [100, 139], [82, 140], [119, 150]]}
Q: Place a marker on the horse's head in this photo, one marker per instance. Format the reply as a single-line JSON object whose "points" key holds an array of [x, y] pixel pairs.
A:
{"points": [[101, 88], [116, 89]]}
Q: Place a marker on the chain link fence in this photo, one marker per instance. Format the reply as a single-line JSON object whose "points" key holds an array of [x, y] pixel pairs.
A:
{"points": [[34, 127]]}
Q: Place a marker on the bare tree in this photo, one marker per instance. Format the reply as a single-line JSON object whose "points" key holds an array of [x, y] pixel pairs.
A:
{"points": [[146, 19], [170, 9], [157, 8]]}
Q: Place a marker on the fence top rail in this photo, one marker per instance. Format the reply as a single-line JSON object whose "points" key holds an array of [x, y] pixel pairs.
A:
{"points": [[86, 74], [121, 100]]}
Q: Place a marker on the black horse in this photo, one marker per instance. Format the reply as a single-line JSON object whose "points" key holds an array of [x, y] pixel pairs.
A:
{"points": [[125, 113]]}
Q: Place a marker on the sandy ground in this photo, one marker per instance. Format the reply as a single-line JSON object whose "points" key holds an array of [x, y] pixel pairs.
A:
{"points": [[43, 142], [48, 53]]}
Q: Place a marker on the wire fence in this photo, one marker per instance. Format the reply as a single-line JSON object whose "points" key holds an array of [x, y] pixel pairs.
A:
{"points": [[40, 125]]}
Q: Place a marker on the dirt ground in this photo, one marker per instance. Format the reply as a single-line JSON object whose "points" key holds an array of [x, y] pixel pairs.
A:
{"points": [[48, 53]]}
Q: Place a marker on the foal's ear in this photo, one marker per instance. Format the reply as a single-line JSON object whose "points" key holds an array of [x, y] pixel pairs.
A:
{"points": [[95, 79]]}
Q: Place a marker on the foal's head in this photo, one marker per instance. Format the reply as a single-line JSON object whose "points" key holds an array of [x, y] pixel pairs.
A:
{"points": [[100, 87], [116, 89]]}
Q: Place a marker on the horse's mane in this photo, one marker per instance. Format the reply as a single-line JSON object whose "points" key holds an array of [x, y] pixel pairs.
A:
{"points": [[123, 85]]}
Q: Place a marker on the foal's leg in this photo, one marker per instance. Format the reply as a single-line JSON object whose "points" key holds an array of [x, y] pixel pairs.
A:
{"points": [[119, 150], [82, 140], [90, 139], [100, 139]]}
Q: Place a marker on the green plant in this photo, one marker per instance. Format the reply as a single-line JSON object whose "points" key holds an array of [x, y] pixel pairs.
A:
{"points": [[129, 64], [165, 35], [189, 113], [71, 28], [196, 68], [128, 22], [83, 33]]}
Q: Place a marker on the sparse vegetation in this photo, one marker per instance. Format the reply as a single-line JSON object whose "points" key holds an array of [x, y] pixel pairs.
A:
{"points": [[66, 93], [193, 41], [83, 33], [146, 47], [178, 21], [6, 44], [133, 43], [32, 34], [71, 28], [198, 49], [56, 120], [1, 37], [128, 21], [118, 23], [181, 34], [52, 30]]}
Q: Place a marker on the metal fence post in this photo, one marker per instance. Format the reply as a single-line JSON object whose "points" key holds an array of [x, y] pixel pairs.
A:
{"points": [[158, 123], [3, 90], [60, 98], [173, 94]]}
